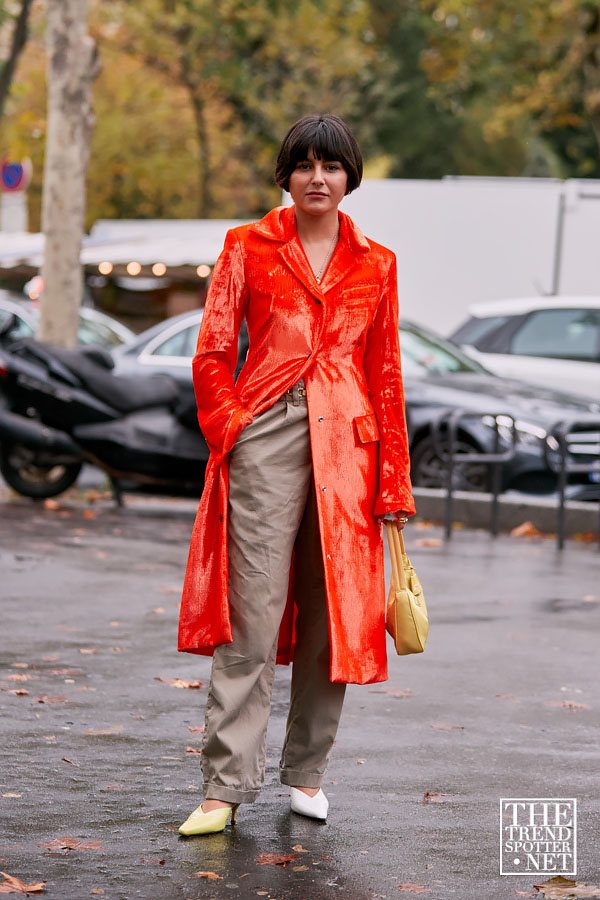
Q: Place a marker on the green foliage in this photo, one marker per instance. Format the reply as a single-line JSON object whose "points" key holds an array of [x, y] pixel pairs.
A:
{"points": [[534, 67], [194, 96]]}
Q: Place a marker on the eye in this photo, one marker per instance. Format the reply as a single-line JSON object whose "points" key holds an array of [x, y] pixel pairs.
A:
{"points": [[333, 166], [303, 165]]}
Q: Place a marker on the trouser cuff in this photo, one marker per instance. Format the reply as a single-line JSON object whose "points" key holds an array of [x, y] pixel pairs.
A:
{"points": [[228, 795], [300, 778]]}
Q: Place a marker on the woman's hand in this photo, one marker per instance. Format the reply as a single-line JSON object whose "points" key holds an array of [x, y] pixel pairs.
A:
{"points": [[400, 518]]}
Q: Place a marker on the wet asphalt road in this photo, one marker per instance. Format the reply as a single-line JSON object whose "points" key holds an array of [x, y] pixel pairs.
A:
{"points": [[96, 748]]}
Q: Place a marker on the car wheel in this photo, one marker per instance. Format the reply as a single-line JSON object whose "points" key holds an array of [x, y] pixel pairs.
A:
{"points": [[35, 476], [428, 468]]}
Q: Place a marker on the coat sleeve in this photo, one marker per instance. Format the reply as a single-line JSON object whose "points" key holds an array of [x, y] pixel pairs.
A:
{"points": [[386, 392], [221, 414]]}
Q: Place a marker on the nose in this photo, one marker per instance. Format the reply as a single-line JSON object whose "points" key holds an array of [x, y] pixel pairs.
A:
{"points": [[318, 174]]}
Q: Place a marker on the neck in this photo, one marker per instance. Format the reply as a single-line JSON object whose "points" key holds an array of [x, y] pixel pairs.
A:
{"points": [[316, 228]]}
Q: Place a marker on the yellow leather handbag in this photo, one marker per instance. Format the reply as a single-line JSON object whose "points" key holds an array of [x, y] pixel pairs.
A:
{"points": [[406, 616]]}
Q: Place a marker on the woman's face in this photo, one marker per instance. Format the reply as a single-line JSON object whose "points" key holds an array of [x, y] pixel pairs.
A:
{"points": [[318, 185]]}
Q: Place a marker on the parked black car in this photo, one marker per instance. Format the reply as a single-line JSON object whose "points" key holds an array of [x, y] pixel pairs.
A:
{"points": [[437, 377]]}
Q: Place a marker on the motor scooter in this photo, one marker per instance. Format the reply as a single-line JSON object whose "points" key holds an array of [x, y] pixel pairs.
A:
{"points": [[60, 408]]}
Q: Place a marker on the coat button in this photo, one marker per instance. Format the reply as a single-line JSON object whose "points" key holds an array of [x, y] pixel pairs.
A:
{"points": [[320, 418], [323, 488], [328, 556]]}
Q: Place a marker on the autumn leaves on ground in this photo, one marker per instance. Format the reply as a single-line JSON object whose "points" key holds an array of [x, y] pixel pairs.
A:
{"points": [[103, 722]]}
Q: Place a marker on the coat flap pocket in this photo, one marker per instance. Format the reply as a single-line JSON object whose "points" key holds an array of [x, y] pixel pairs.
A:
{"points": [[361, 293], [367, 429]]}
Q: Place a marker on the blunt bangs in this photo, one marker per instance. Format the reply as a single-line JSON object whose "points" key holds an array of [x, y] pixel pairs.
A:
{"points": [[330, 139]]}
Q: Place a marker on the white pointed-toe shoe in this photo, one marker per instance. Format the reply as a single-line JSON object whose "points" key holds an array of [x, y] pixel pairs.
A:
{"points": [[315, 807]]}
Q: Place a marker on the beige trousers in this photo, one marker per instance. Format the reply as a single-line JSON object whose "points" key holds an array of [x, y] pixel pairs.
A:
{"points": [[271, 507]]}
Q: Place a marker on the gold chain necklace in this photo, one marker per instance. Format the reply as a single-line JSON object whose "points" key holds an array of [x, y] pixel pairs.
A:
{"points": [[328, 256]]}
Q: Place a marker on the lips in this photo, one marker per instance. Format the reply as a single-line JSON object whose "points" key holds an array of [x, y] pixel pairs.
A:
{"points": [[316, 194]]}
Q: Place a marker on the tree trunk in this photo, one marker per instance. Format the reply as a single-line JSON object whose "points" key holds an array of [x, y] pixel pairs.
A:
{"points": [[205, 200], [18, 41], [72, 66]]}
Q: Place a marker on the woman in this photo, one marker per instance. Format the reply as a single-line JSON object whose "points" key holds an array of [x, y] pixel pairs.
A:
{"points": [[308, 454]]}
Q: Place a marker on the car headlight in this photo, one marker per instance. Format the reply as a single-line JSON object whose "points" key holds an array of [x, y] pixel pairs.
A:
{"points": [[527, 433]]}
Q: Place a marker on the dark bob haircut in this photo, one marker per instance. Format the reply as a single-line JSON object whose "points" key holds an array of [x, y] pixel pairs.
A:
{"points": [[329, 138]]}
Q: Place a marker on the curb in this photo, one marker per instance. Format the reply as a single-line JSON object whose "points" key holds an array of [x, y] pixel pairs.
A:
{"points": [[473, 510]]}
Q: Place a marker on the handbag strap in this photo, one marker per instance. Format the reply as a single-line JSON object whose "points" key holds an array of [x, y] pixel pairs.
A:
{"points": [[396, 546]]}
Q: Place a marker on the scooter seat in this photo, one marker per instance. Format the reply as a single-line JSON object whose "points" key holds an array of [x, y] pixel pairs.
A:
{"points": [[124, 393]]}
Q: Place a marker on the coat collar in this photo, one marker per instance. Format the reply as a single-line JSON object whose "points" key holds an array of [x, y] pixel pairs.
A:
{"points": [[280, 225]]}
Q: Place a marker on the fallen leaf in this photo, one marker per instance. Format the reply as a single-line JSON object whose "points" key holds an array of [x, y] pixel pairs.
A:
{"points": [[12, 885], [18, 692], [360, 761], [525, 894], [559, 888], [160, 862], [262, 893], [96, 891], [193, 750], [509, 697], [88, 650], [429, 542], [92, 495], [196, 729], [49, 503], [70, 843], [444, 726], [300, 849], [181, 683], [206, 875], [89, 514], [156, 612], [12, 795], [113, 729], [275, 859], [114, 787], [525, 529], [71, 761], [20, 665], [44, 699], [434, 798], [586, 537], [20, 676], [66, 672], [569, 704], [415, 888], [115, 624], [590, 598], [299, 868]]}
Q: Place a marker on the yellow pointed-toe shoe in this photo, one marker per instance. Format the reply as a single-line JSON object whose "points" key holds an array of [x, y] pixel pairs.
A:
{"points": [[200, 822]]}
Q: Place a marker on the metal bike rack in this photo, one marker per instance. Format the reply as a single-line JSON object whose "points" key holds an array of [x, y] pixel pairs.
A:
{"points": [[445, 425], [560, 432]]}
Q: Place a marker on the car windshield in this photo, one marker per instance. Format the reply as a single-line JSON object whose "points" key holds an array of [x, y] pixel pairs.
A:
{"points": [[422, 354]]}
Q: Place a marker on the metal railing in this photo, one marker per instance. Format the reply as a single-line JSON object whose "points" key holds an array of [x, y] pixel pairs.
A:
{"points": [[444, 431], [566, 440], [570, 443]]}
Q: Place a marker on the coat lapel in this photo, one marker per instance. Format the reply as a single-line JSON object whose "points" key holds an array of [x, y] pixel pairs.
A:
{"points": [[280, 225]]}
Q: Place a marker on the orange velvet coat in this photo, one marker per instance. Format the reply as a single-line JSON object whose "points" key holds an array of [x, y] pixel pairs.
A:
{"points": [[342, 336]]}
